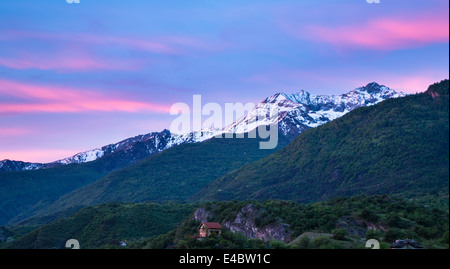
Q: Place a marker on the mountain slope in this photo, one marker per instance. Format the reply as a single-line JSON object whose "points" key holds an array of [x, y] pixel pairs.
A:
{"points": [[301, 111], [296, 113], [23, 192], [399, 146], [27, 191], [105, 225], [246, 224], [172, 175], [133, 149], [9, 165], [379, 217]]}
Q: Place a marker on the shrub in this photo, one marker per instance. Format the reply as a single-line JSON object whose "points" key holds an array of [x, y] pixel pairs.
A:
{"points": [[339, 234], [304, 243], [368, 215]]}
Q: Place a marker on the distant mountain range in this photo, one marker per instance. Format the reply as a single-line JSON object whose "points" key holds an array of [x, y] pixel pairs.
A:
{"points": [[396, 147], [296, 113], [400, 146], [301, 111], [175, 173], [172, 175]]}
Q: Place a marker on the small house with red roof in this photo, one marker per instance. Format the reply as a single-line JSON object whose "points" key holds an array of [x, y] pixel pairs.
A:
{"points": [[207, 228]]}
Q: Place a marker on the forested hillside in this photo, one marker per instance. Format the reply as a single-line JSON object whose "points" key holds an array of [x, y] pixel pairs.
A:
{"points": [[399, 146]]}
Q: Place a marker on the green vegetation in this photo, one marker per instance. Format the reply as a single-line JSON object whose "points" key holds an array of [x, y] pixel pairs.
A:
{"points": [[399, 146], [379, 172], [172, 175], [335, 223], [25, 192], [29, 190], [105, 225]]}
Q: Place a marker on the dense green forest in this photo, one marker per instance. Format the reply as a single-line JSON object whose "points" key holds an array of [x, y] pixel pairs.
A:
{"points": [[25, 192], [341, 222], [101, 226], [378, 172], [399, 146], [172, 175]]}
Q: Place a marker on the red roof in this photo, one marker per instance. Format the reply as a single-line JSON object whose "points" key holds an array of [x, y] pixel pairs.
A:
{"points": [[212, 225]]}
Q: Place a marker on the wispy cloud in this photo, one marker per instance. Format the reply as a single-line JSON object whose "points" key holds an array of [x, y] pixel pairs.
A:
{"points": [[62, 63], [62, 99], [150, 45], [413, 83], [345, 79], [86, 51], [13, 131], [380, 33]]}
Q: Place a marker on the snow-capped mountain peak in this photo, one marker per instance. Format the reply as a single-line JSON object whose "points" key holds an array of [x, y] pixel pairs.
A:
{"points": [[302, 97], [296, 113], [300, 111], [82, 157]]}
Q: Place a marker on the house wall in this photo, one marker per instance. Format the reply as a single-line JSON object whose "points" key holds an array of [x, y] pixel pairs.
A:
{"points": [[203, 232]]}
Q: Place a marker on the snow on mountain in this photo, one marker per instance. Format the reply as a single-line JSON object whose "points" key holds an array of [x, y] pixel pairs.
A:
{"points": [[153, 142], [87, 156], [300, 111], [9, 165], [295, 113]]}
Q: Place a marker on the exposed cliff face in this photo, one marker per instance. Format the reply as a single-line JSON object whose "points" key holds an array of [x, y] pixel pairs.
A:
{"points": [[246, 223], [202, 215]]}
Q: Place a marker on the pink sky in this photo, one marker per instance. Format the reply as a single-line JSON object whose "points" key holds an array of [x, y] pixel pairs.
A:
{"points": [[386, 33], [73, 78], [43, 155], [62, 99]]}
